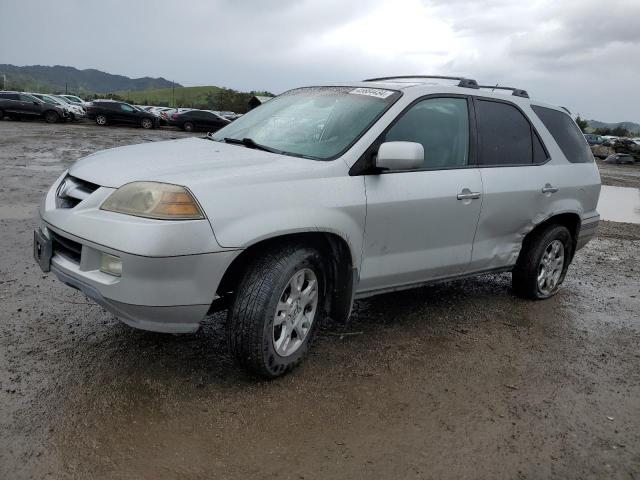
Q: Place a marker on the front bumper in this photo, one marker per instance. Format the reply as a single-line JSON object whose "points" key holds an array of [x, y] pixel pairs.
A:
{"points": [[162, 294], [170, 269]]}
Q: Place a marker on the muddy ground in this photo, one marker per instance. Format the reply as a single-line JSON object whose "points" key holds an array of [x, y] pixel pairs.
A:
{"points": [[461, 380]]}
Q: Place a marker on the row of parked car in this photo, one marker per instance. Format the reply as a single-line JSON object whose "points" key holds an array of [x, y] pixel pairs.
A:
{"points": [[51, 108], [56, 108]]}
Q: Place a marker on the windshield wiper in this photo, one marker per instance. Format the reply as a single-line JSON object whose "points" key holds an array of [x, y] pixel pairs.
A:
{"points": [[250, 143]]}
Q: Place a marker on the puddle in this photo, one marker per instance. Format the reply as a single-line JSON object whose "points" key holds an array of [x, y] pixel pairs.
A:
{"points": [[619, 204]]}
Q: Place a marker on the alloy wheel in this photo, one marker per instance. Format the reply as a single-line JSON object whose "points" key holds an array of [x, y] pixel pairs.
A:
{"points": [[295, 312], [550, 267]]}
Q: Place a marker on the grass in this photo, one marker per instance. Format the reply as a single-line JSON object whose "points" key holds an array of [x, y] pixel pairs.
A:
{"points": [[184, 96]]}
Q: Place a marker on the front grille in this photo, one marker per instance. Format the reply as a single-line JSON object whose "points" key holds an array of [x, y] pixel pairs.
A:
{"points": [[72, 191], [66, 247]]}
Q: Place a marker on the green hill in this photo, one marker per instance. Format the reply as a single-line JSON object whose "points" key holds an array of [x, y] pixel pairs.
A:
{"points": [[183, 96], [58, 78]]}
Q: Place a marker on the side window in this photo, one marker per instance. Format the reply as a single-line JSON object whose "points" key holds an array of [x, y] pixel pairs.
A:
{"points": [[566, 134], [27, 98], [505, 136], [441, 125], [126, 108]]}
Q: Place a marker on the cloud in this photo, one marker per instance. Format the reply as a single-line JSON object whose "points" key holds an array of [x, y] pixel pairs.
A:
{"points": [[579, 53]]}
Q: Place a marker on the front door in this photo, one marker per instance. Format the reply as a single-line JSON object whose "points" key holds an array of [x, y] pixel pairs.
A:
{"points": [[420, 225]]}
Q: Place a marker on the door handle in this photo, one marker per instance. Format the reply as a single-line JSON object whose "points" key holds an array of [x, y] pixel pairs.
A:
{"points": [[467, 194], [548, 188]]}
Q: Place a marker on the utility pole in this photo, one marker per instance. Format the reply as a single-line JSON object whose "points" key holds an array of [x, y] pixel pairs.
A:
{"points": [[4, 82], [173, 93], [66, 90]]}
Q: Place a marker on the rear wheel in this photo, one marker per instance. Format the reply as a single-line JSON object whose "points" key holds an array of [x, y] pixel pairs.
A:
{"points": [[101, 120], [276, 310], [188, 127], [51, 116], [146, 123], [543, 262]]}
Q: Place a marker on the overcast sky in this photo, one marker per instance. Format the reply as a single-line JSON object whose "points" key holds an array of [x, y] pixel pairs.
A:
{"points": [[582, 54]]}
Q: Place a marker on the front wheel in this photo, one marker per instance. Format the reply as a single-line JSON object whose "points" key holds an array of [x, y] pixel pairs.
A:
{"points": [[146, 123], [101, 120], [276, 310], [543, 262]]}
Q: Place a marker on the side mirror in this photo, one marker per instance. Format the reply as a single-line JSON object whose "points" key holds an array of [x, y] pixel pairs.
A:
{"points": [[400, 156]]}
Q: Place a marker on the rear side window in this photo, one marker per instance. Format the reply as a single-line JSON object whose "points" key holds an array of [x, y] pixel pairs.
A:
{"points": [[566, 134], [505, 136]]}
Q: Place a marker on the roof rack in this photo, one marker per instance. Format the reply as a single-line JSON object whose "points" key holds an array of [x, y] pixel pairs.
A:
{"points": [[517, 92], [463, 82]]}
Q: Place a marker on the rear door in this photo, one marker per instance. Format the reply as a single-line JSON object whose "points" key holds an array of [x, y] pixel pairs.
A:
{"points": [[518, 183], [29, 106], [420, 224]]}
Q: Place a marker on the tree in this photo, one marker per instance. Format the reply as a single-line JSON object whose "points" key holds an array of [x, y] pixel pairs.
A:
{"points": [[582, 123]]}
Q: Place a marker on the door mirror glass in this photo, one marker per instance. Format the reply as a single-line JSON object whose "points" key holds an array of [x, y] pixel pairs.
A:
{"points": [[400, 156]]}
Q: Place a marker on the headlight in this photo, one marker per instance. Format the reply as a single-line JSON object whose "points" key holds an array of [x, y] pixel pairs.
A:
{"points": [[161, 201]]}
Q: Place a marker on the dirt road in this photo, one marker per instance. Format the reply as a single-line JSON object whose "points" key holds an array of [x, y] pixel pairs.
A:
{"points": [[461, 380]]}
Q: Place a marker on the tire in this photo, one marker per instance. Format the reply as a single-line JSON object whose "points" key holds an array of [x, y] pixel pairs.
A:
{"points": [[1, 115], [543, 262], [187, 127], [256, 339], [101, 119], [146, 123], [51, 116]]}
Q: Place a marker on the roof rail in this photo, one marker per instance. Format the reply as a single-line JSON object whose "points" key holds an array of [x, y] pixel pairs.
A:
{"points": [[517, 92], [463, 82]]}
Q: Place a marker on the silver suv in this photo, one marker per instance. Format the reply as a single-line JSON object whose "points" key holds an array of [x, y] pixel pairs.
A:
{"points": [[321, 196]]}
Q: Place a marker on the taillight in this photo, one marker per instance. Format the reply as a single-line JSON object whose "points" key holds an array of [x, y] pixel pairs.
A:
{"points": [[174, 116]]}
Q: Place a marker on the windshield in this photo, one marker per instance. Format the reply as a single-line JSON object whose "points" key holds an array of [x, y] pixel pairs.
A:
{"points": [[315, 122], [64, 100]]}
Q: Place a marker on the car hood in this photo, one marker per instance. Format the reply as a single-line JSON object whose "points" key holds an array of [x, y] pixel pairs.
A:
{"points": [[189, 162]]}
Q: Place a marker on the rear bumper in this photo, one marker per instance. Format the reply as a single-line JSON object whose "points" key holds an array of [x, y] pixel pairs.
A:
{"points": [[588, 230]]}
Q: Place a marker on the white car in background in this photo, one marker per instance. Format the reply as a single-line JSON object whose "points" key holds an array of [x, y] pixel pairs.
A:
{"points": [[76, 111], [75, 100]]}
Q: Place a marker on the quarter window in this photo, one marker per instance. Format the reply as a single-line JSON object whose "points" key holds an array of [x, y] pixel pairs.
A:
{"points": [[566, 134], [441, 125]]}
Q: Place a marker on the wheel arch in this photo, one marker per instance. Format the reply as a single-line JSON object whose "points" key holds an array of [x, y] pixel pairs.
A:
{"points": [[340, 269], [571, 220]]}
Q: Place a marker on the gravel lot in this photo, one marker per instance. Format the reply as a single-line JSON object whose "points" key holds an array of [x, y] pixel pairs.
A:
{"points": [[460, 380]]}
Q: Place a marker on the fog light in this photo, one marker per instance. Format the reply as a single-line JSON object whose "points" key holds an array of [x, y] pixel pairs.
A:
{"points": [[111, 264]]}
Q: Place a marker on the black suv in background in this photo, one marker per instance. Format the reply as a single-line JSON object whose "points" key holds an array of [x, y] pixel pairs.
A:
{"points": [[21, 106], [199, 120], [106, 112]]}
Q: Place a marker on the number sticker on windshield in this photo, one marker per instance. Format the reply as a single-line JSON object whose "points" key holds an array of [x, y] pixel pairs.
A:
{"points": [[372, 92]]}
